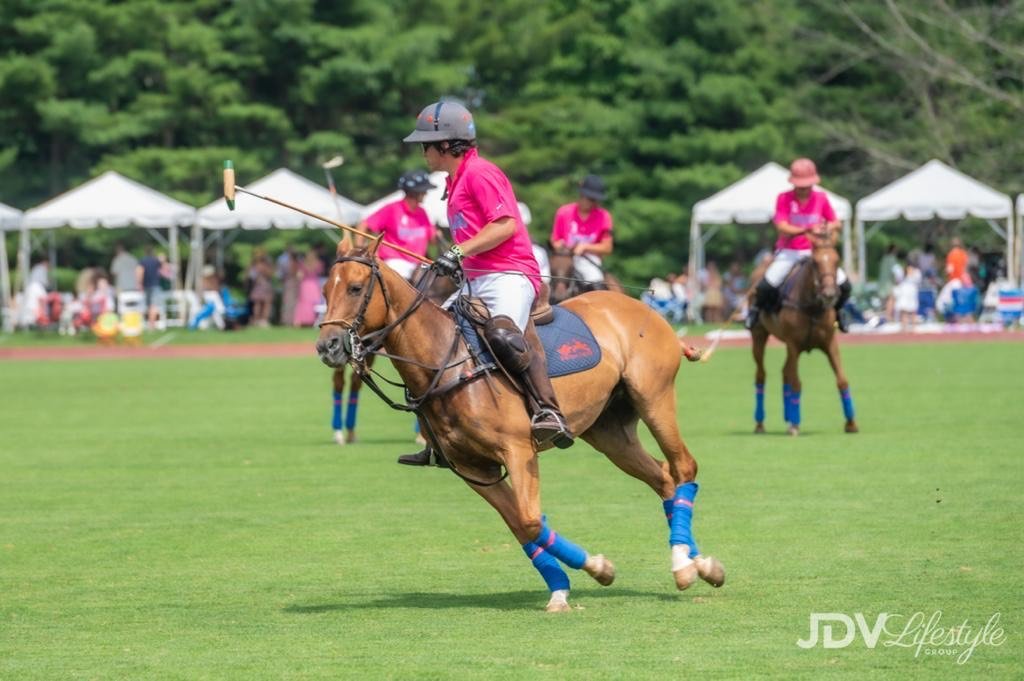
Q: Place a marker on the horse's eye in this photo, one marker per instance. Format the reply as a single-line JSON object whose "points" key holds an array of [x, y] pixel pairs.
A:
{"points": [[355, 289]]}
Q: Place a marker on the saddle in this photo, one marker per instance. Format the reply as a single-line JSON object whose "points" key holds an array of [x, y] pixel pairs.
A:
{"points": [[788, 296]]}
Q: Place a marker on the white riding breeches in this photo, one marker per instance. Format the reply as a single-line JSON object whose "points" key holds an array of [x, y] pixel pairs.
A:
{"points": [[783, 262], [404, 267], [504, 294], [588, 268]]}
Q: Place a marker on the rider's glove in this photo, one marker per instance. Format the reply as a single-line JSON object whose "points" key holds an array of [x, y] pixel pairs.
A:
{"points": [[449, 262]]}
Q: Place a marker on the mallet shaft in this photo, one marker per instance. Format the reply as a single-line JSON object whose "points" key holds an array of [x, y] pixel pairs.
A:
{"points": [[333, 222]]}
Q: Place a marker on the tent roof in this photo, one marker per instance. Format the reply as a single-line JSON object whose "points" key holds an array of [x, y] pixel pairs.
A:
{"points": [[253, 213], [110, 200], [752, 199], [10, 218], [934, 190]]}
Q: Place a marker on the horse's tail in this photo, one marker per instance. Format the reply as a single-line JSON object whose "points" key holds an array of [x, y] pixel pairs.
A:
{"points": [[695, 354]]}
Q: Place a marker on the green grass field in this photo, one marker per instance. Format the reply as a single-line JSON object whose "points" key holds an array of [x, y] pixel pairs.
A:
{"points": [[188, 519]]}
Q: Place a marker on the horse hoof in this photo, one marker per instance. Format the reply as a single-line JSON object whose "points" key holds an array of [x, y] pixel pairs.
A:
{"points": [[759, 429], [350, 437], [710, 570], [339, 437], [851, 427], [600, 568], [685, 577], [559, 602], [793, 430]]}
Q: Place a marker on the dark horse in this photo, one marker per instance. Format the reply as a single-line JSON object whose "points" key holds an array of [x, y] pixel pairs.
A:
{"points": [[805, 322], [479, 420], [566, 283], [345, 430]]}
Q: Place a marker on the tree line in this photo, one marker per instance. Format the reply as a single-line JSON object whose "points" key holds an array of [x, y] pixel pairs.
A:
{"points": [[669, 100]]}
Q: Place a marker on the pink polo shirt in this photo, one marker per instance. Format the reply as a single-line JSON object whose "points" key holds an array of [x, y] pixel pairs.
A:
{"points": [[478, 194], [815, 211], [573, 229], [403, 227]]}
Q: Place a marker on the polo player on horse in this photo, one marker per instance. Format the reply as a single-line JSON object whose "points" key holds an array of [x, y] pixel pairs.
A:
{"points": [[585, 229], [798, 211]]}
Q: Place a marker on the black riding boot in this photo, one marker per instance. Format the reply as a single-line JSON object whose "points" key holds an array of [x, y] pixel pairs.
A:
{"points": [[764, 299], [422, 458], [842, 316], [522, 355]]}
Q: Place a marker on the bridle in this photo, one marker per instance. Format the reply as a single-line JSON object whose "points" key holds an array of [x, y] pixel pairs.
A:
{"points": [[359, 346]]}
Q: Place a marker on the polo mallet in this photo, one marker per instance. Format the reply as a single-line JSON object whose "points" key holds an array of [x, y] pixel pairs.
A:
{"points": [[230, 189], [330, 164]]}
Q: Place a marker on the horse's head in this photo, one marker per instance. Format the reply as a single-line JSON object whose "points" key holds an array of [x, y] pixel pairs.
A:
{"points": [[357, 304], [562, 272], [826, 265]]}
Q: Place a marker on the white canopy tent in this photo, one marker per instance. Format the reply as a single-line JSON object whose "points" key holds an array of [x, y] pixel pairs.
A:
{"points": [[252, 213], [935, 190], [751, 201], [113, 201], [10, 220]]}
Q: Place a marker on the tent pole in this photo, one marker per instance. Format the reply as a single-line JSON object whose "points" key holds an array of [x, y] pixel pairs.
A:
{"points": [[862, 268], [174, 256], [197, 259], [5, 285], [691, 269], [847, 248]]}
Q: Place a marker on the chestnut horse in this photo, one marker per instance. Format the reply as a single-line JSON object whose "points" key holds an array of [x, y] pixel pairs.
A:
{"points": [[566, 283], [805, 322], [345, 431], [480, 421]]}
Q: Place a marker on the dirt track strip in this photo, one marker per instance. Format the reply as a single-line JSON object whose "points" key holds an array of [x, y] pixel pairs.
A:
{"points": [[258, 350]]}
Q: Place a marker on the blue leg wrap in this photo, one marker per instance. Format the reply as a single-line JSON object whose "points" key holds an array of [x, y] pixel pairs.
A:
{"points": [[794, 407], [759, 403], [336, 417], [416, 426], [844, 395], [561, 548], [787, 392], [682, 517], [667, 505], [350, 412], [548, 567]]}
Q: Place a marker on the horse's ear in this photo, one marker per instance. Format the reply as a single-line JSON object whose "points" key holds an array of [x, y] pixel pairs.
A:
{"points": [[375, 244], [345, 245]]}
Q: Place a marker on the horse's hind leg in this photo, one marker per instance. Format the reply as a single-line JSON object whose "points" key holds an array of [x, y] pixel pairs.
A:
{"points": [[842, 384], [615, 434], [760, 339]]}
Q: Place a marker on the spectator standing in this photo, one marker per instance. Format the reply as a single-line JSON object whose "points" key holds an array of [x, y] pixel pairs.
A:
{"points": [[905, 295], [290, 280], [148, 274], [40, 273], [124, 269], [261, 289], [887, 268], [956, 260], [310, 271]]}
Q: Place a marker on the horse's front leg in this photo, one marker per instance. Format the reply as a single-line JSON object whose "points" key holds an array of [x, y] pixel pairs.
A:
{"points": [[518, 503], [760, 339], [842, 384], [791, 389]]}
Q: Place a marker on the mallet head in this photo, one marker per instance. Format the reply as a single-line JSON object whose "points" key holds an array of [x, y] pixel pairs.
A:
{"points": [[229, 184]]}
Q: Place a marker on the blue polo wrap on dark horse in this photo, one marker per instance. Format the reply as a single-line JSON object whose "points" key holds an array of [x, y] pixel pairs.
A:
{"points": [[569, 345]]}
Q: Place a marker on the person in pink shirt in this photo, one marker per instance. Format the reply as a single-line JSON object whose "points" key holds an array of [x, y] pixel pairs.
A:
{"points": [[797, 212], [585, 228], [404, 223], [493, 252]]}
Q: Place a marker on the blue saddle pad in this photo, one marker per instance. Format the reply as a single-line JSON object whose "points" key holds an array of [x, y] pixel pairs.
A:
{"points": [[568, 343]]}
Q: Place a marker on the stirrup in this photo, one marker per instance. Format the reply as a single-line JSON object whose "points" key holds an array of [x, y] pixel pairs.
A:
{"points": [[549, 426], [751, 321]]}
